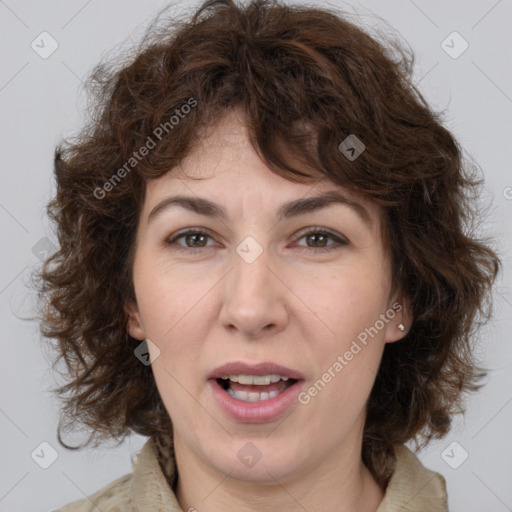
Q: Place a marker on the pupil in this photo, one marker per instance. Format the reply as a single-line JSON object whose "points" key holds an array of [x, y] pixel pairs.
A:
{"points": [[316, 236], [195, 235]]}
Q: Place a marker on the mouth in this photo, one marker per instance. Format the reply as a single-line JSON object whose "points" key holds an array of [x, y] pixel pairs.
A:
{"points": [[255, 388], [255, 393]]}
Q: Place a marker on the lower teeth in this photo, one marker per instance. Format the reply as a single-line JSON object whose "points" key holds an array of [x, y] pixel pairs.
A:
{"points": [[251, 397]]}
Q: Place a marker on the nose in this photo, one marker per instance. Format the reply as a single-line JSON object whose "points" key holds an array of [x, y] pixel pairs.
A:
{"points": [[255, 298]]}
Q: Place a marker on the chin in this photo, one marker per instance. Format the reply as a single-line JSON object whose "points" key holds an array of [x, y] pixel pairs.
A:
{"points": [[256, 461]]}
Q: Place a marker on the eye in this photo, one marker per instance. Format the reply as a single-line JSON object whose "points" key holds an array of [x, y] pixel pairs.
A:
{"points": [[196, 240], [320, 236]]}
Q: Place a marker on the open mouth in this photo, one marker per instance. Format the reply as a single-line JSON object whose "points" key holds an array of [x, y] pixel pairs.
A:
{"points": [[257, 393], [255, 388]]}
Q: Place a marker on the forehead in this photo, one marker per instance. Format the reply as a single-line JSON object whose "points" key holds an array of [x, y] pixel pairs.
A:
{"points": [[224, 167]]}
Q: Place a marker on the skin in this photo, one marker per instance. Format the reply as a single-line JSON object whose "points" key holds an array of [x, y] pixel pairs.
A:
{"points": [[293, 305]]}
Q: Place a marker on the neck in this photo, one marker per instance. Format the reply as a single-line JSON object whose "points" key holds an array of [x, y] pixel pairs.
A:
{"points": [[340, 483]]}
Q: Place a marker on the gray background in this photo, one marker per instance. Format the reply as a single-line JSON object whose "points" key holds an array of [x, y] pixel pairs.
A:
{"points": [[40, 103]]}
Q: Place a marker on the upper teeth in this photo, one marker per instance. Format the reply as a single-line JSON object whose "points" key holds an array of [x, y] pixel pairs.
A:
{"points": [[261, 380]]}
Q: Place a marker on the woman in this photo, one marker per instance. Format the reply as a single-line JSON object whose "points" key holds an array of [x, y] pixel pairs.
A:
{"points": [[265, 266]]}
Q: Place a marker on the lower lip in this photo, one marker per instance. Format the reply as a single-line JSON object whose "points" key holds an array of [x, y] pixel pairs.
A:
{"points": [[255, 412]]}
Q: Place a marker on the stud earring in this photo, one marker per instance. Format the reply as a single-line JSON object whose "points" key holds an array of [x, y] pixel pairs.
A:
{"points": [[401, 327]]}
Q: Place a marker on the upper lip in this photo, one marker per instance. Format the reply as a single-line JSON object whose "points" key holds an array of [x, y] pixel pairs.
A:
{"points": [[264, 368]]}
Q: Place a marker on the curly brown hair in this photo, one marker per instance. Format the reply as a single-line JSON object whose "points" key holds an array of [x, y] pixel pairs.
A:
{"points": [[305, 79]]}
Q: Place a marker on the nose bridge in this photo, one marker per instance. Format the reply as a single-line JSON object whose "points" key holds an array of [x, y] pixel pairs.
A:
{"points": [[254, 297], [251, 267]]}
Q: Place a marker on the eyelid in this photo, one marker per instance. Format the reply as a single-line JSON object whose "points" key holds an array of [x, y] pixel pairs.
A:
{"points": [[320, 229]]}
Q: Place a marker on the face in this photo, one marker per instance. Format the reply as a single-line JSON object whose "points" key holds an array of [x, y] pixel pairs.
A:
{"points": [[257, 288]]}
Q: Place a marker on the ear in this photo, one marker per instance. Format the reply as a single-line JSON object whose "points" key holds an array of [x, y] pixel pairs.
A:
{"points": [[134, 325], [402, 316]]}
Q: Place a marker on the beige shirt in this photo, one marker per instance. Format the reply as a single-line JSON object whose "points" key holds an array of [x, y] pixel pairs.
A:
{"points": [[412, 488]]}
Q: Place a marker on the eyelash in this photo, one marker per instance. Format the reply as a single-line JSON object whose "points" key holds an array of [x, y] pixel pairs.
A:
{"points": [[340, 242]]}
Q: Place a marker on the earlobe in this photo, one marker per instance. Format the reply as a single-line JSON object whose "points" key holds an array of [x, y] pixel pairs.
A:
{"points": [[133, 323], [400, 324]]}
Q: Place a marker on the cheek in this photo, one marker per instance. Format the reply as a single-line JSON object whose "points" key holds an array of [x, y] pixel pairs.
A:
{"points": [[345, 302], [349, 339], [167, 298], [340, 389]]}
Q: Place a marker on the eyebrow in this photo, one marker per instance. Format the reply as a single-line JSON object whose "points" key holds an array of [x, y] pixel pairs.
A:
{"points": [[295, 208]]}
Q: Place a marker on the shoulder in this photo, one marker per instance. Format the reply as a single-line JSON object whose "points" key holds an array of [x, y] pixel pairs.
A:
{"points": [[115, 497], [146, 488], [414, 487]]}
